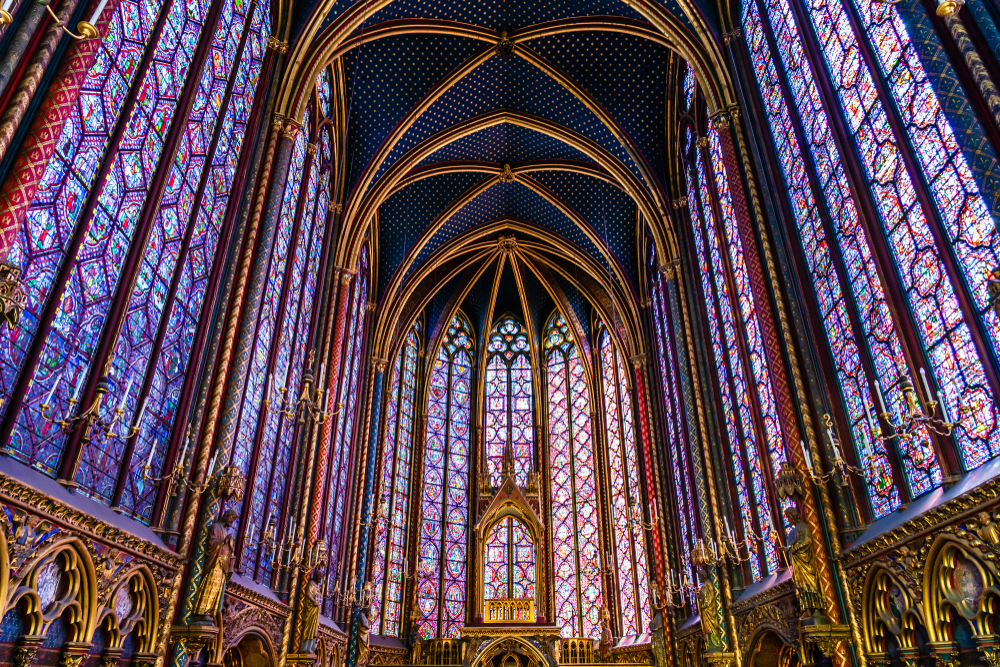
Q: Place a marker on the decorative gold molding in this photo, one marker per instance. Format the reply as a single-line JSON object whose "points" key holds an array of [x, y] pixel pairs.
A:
{"points": [[278, 45], [12, 296], [58, 512]]}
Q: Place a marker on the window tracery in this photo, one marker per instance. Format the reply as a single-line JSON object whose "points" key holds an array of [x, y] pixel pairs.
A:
{"points": [[390, 535], [628, 552], [509, 401], [575, 530], [137, 264], [441, 573]]}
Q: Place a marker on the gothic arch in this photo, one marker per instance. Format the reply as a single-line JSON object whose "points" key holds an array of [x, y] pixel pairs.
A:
{"points": [[59, 578], [959, 584], [132, 604], [889, 605]]}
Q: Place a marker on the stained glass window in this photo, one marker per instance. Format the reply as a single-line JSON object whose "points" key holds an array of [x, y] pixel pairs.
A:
{"points": [[509, 416], [441, 570], [628, 552], [677, 448], [280, 358], [390, 563], [736, 402], [933, 286], [509, 557], [95, 235], [117, 221], [689, 87], [575, 532], [342, 441]]}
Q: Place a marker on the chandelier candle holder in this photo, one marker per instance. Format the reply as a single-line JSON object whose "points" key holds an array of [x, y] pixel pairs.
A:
{"points": [[309, 402], [678, 593], [87, 29], [917, 416], [635, 516], [90, 421]]}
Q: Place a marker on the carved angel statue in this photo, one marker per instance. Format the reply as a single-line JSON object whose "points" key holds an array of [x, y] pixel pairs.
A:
{"points": [[805, 573], [218, 567]]}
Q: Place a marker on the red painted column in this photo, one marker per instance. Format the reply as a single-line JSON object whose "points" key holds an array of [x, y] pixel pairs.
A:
{"points": [[19, 187], [783, 393], [332, 379], [647, 455]]}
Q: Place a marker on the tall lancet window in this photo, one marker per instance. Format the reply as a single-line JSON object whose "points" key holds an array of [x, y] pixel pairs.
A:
{"points": [[118, 249], [344, 422], [677, 447], [390, 540], [575, 532], [444, 527], [629, 541], [510, 562], [509, 400], [900, 248]]}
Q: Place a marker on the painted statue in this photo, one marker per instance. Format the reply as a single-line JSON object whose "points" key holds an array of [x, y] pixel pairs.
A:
{"points": [[606, 640], [708, 607], [805, 574], [659, 639], [311, 602], [364, 635], [218, 567], [416, 639]]}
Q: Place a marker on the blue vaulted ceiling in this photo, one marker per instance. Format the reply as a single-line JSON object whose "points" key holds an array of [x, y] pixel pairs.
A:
{"points": [[592, 78]]}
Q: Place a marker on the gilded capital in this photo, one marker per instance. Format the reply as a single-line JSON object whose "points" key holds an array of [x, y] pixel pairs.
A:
{"points": [[278, 45], [702, 142], [311, 149]]}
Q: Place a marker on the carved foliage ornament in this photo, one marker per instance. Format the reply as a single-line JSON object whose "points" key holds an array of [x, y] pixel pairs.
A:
{"points": [[12, 296]]}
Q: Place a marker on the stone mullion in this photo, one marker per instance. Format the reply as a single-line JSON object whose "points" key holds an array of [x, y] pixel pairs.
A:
{"points": [[812, 437], [708, 502], [25, 182], [238, 344], [784, 394]]}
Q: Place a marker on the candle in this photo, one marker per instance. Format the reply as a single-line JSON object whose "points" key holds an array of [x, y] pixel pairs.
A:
{"points": [[211, 468], [868, 414], [944, 408], [836, 450], [48, 399], [881, 400], [142, 412], [322, 370], [97, 12], [7, 4], [406, 566], [927, 386], [729, 531], [184, 451], [128, 388], [269, 390], [805, 454], [149, 459], [79, 386], [652, 512]]}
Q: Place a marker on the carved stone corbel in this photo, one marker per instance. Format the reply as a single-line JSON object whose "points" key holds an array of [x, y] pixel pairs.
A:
{"points": [[27, 648]]}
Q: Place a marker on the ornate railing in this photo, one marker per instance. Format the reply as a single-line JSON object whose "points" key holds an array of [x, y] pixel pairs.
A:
{"points": [[444, 652], [510, 610], [577, 651]]}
